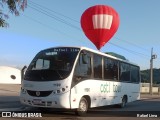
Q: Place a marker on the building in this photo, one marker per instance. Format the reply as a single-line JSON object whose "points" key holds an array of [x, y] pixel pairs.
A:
{"points": [[10, 75]]}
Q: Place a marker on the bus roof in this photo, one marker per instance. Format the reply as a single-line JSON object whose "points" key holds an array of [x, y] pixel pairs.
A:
{"points": [[95, 51], [104, 54]]}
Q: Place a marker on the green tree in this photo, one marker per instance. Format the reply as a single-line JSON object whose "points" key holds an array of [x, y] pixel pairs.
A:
{"points": [[13, 7]]}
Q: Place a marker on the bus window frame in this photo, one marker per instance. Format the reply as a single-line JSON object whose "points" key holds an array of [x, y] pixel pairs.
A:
{"points": [[78, 63], [108, 79]]}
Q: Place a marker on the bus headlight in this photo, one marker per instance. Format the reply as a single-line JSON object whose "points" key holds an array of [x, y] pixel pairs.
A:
{"points": [[58, 91], [63, 89]]}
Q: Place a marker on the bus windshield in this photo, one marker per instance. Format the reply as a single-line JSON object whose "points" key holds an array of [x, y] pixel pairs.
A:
{"points": [[52, 64]]}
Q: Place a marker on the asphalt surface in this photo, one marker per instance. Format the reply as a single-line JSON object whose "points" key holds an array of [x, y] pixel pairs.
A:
{"points": [[10, 94], [147, 105]]}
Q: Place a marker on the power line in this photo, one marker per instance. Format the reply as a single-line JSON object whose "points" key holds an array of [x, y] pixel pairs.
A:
{"points": [[131, 51], [37, 21], [54, 17], [43, 7], [40, 6], [41, 10], [135, 45], [131, 43], [58, 31]]}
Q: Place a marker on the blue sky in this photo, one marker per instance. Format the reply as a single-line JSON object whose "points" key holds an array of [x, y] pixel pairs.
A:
{"points": [[35, 30]]}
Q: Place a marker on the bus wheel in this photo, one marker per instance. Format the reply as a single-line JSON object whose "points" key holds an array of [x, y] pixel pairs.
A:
{"points": [[83, 107], [124, 102]]}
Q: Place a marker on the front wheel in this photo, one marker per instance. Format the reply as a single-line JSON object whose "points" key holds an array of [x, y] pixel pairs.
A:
{"points": [[83, 107]]}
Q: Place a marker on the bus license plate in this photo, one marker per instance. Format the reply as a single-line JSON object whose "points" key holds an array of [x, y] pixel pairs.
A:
{"points": [[37, 101]]}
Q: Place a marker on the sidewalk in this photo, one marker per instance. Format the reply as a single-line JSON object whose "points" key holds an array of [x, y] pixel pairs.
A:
{"points": [[10, 87], [9, 93], [9, 97], [149, 96]]}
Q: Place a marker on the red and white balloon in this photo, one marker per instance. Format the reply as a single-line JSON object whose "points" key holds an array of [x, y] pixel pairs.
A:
{"points": [[100, 23]]}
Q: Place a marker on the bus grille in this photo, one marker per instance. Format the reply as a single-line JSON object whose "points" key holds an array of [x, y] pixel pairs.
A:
{"points": [[39, 93]]}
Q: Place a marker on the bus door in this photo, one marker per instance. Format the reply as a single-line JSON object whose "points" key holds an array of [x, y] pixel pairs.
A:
{"points": [[81, 76]]}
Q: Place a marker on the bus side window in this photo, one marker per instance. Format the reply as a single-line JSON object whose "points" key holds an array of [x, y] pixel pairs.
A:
{"points": [[97, 65], [124, 72], [110, 69], [84, 59], [83, 67], [135, 74]]}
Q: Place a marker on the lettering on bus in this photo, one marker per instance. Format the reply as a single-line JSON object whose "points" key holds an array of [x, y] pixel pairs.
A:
{"points": [[87, 89], [116, 88], [56, 84], [60, 49], [66, 49], [107, 88]]}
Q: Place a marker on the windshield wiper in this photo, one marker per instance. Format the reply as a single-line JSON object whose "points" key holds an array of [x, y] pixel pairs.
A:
{"points": [[59, 74]]}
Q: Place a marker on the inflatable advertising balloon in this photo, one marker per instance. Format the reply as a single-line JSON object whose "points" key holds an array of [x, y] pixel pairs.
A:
{"points": [[99, 23]]}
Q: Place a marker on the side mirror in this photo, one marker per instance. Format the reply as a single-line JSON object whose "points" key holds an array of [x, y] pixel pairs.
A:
{"points": [[33, 64], [24, 68], [84, 59], [22, 72]]}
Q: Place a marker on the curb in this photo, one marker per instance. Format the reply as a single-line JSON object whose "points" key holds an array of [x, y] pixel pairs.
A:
{"points": [[9, 90]]}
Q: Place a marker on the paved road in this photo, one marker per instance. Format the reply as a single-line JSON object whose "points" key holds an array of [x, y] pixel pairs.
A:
{"points": [[148, 105]]}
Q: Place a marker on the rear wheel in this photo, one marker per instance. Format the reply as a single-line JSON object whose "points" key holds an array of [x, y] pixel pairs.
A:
{"points": [[124, 102], [83, 107]]}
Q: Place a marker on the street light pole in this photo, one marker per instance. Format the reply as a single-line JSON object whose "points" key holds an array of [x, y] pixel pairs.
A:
{"points": [[153, 56], [151, 71]]}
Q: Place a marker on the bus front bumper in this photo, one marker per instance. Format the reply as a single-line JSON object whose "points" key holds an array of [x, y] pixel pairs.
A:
{"points": [[51, 101]]}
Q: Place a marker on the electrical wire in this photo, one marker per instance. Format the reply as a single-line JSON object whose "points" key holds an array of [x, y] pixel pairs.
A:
{"points": [[44, 10], [54, 17], [43, 7]]}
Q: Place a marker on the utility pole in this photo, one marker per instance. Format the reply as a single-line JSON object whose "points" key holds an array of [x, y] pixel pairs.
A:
{"points": [[153, 56]]}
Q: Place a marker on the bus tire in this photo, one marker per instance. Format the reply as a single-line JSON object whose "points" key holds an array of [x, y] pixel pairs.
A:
{"points": [[83, 107], [124, 102]]}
